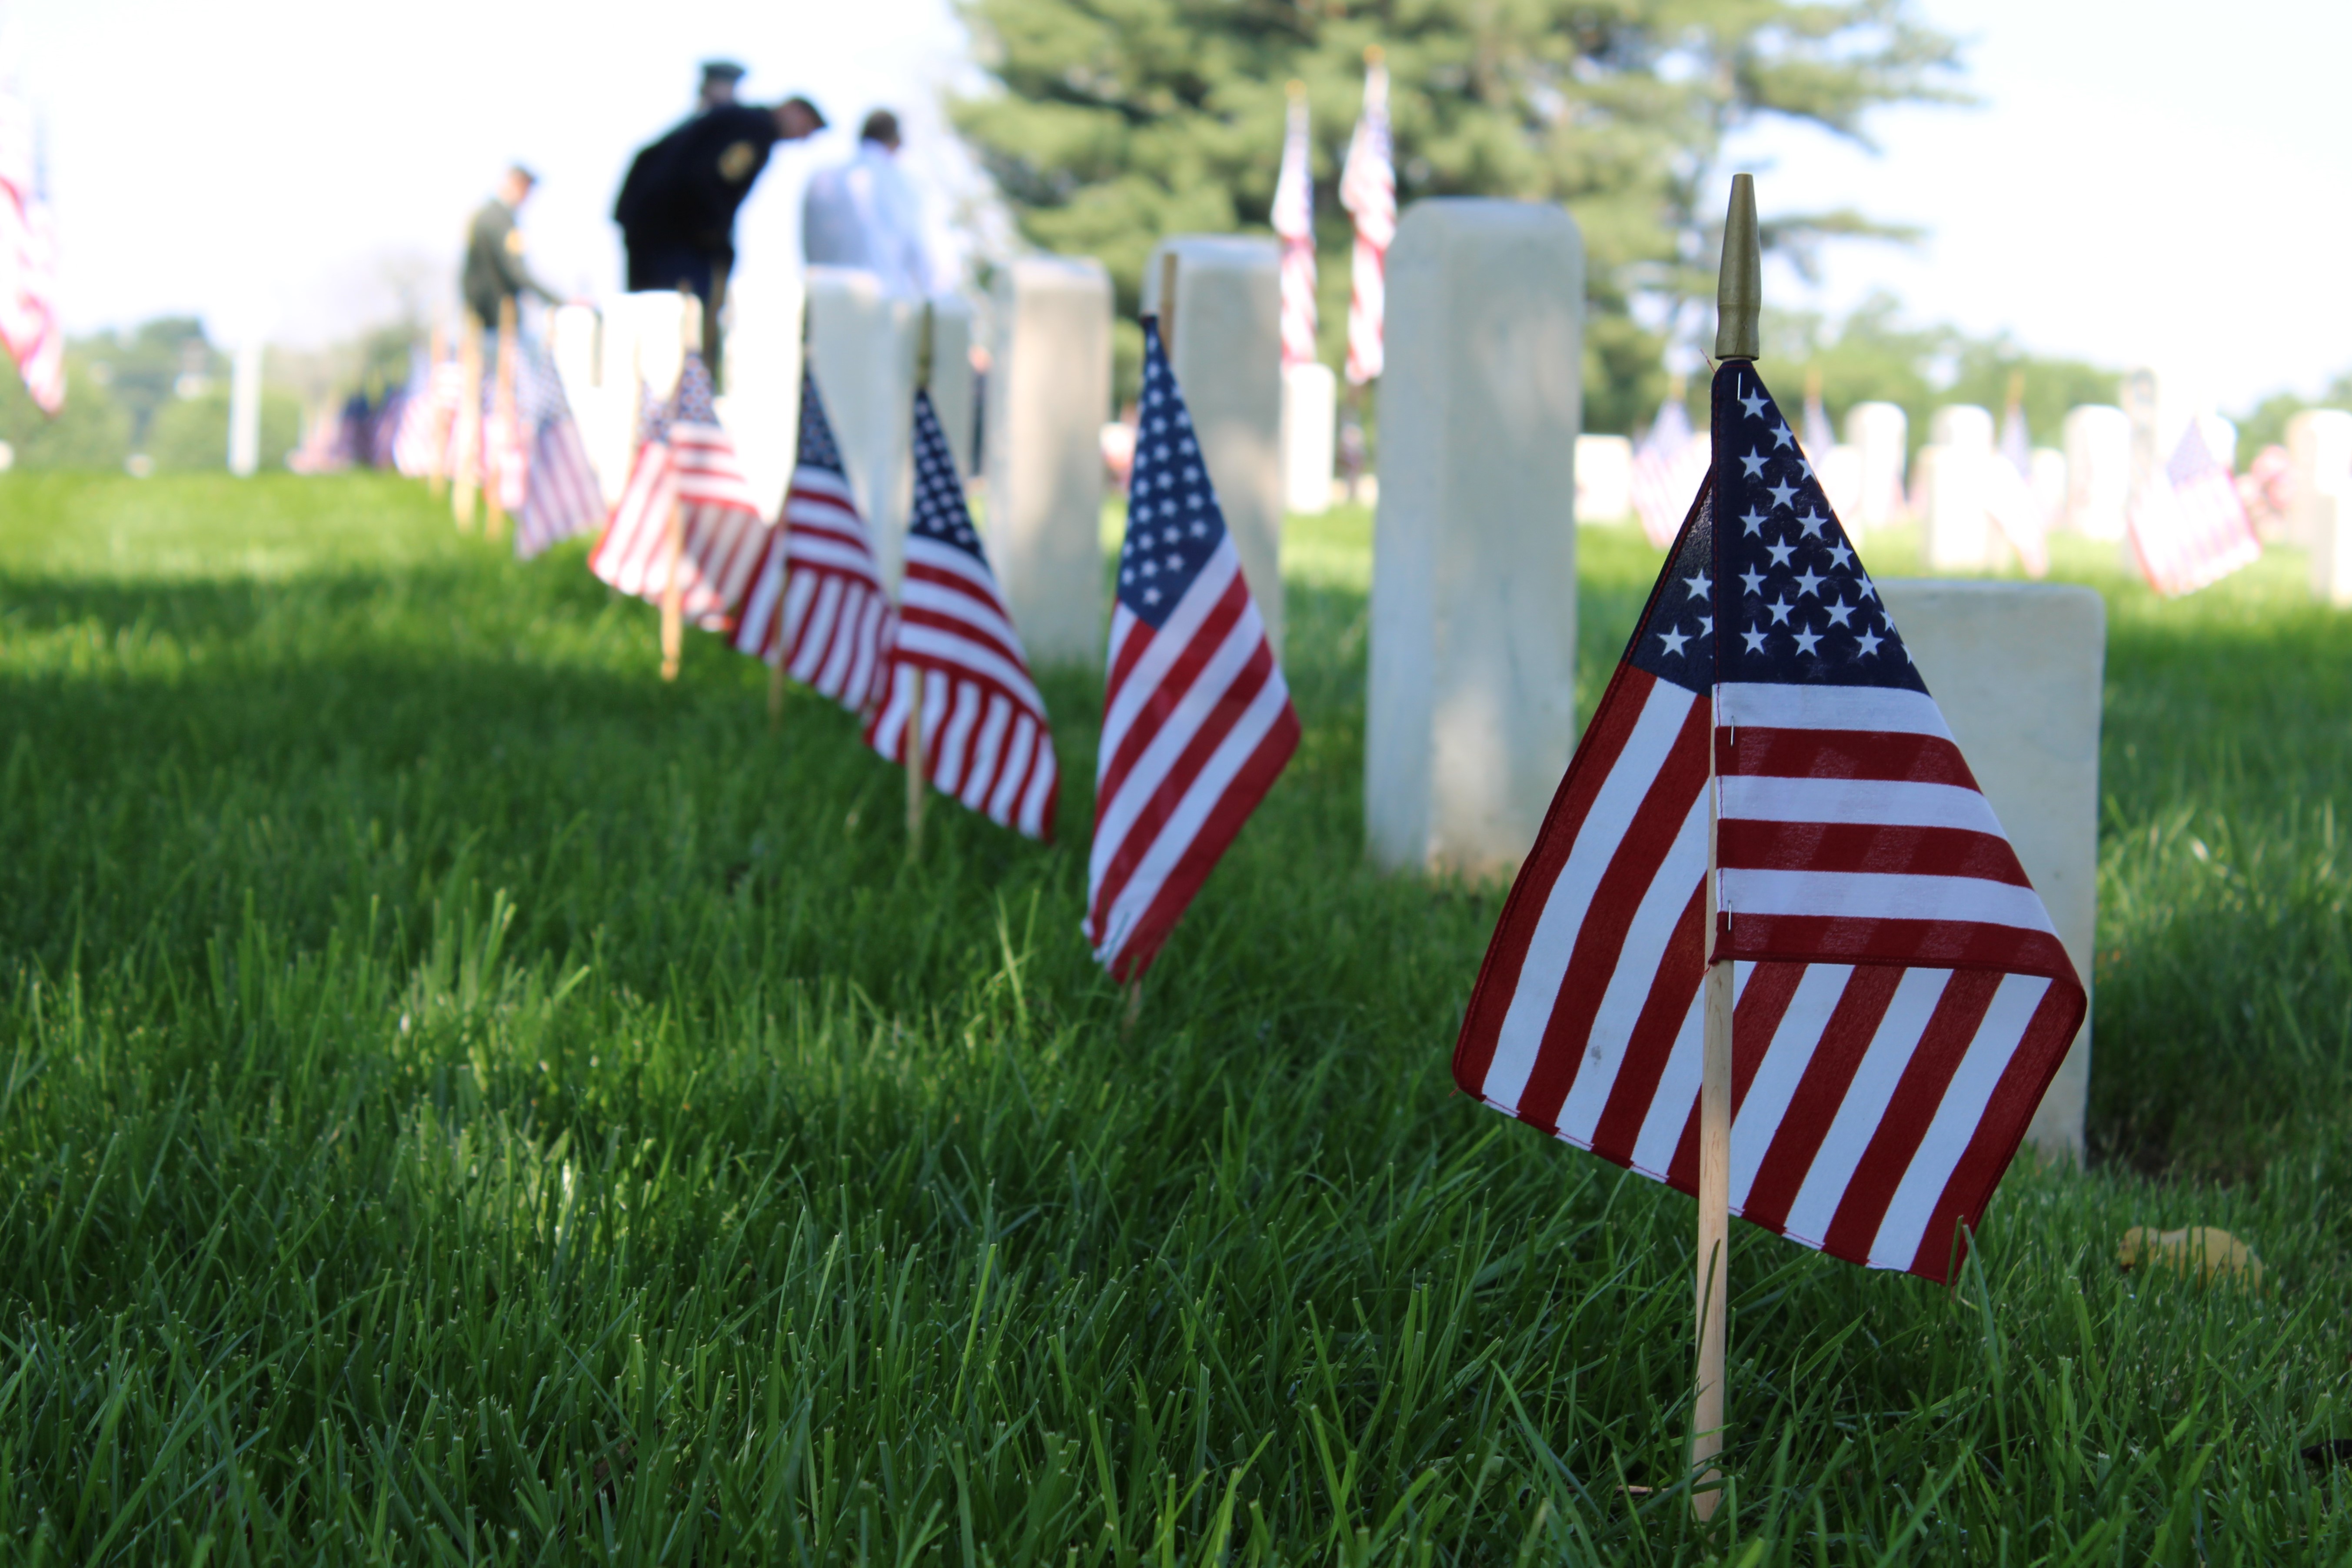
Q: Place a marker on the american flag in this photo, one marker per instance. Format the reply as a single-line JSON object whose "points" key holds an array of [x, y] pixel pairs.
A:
{"points": [[686, 462], [1197, 721], [1368, 190], [30, 328], [2189, 528], [2012, 506], [1294, 224], [557, 496], [985, 740], [817, 601], [1903, 999], [1819, 438], [421, 447], [1668, 467]]}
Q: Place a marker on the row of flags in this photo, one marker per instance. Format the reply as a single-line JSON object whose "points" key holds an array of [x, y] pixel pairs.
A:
{"points": [[2187, 527], [31, 330], [1198, 722], [1368, 192]]}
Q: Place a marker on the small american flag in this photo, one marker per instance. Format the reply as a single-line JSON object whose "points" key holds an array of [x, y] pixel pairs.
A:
{"points": [[422, 447], [1294, 224], [817, 601], [1368, 190], [985, 740], [2012, 506], [1669, 465], [2189, 528], [1903, 999], [1197, 720], [559, 498], [686, 462], [31, 328]]}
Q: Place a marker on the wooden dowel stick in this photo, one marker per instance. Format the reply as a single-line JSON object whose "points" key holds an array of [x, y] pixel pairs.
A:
{"points": [[467, 477], [436, 468], [915, 788], [1711, 1269], [501, 429], [672, 620]]}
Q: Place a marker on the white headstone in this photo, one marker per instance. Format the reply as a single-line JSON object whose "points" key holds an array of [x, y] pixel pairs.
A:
{"points": [[2330, 522], [245, 409], [1839, 469], [572, 348], [2046, 481], [2098, 470], [1471, 705], [1955, 485], [1310, 437], [1228, 360], [861, 345], [2017, 669], [763, 386], [1881, 433], [2319, 445], [1604, 479], [1048, 393]]}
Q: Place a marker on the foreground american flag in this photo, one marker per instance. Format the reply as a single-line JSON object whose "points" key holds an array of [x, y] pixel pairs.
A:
{"points": [[1903, 998], [30, 327], [687, 462], [556, 496], [1197, 721], [2189, 529], [1368, 190], [1294, 225], [817, 602], [1669, 465], [985, 740]]}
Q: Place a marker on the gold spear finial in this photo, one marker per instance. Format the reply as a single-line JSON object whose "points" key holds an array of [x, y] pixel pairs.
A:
{"points": [[1739, 287], [1297, 90]]}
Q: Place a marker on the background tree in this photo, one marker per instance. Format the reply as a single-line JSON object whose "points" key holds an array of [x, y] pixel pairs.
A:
{"points": [[1119, 122]]}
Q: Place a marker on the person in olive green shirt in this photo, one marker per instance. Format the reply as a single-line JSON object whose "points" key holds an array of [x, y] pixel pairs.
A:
{"points": [[495, 268]]}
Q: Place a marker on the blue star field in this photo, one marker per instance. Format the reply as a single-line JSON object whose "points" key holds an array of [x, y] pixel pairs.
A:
{"points": [[1764, 584], [1174, 524]]}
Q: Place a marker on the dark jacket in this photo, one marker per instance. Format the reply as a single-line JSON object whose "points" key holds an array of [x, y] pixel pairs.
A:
{"points": [[681, 192], [495, 268]]}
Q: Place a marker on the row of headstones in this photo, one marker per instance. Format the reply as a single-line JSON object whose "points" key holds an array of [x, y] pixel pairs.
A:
{"points": [[2083, 488], [1471, 704]]}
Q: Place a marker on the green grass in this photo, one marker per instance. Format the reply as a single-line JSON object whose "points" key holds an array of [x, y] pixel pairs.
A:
{"points": [[463, 1100]]}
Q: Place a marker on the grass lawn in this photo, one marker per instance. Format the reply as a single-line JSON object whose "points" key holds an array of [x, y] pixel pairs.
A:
{"points": [[461, 1100]]}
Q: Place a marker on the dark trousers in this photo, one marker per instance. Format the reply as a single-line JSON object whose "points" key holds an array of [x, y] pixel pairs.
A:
{"points": [[675, 265]]}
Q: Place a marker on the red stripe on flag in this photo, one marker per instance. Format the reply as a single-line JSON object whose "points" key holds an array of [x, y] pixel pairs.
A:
{"points": [[1652, 1042], [1923, 944], [1601, 939], [1887, 756], [1819, 1092], [1910, 1111], [1745, 844], [1499, 975]]}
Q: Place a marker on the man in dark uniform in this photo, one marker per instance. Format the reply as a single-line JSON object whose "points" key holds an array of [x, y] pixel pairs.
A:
{"points": [[677, 206], [495, 268]]}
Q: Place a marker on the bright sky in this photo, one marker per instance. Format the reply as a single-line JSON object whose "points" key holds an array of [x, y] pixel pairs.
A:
{"points": [[2153, 181]]}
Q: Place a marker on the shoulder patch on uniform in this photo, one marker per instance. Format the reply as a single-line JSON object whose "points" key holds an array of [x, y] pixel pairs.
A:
{"points": [[735, 163], [514, 242]]}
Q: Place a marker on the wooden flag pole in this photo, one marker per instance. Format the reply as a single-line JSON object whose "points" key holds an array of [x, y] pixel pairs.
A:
{"points": [[1740, 298], [466, 481], [501, 427], [1168, 307], [783, 521], [915, 770], [436, 468], [673, 603]]}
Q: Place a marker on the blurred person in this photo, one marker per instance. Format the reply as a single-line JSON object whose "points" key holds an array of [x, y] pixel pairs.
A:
{"points": [[677, 206], [495, 268], [718, 89], [864, 214]]}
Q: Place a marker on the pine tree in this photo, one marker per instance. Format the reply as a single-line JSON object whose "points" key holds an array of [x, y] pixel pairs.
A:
{"points": [[1119, 122]]}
